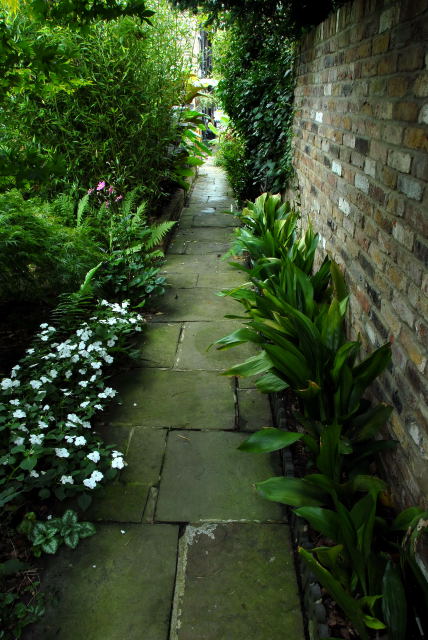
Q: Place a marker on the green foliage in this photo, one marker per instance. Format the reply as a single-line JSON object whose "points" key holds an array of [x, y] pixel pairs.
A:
{"points": [[47, 537], [256, 90], [93, 103], [231, 154], [297, 318], [40, 257]]}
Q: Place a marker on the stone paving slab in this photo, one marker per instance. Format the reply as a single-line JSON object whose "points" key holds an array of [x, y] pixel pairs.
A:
{"points": [[177, 399], [214, 220], [202, 248], [205, 477], [158, 345], [195, 247], [179, 305], [242, 577], [222, 280], [195, 264], [254, 410], [204, 234], [193, 350], [125, 499], [105, 590], [118, 502]]}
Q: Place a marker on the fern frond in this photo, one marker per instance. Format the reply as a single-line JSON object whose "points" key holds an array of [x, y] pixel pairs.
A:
{"points": [[128, 202], [81, 208], [158, 232]]}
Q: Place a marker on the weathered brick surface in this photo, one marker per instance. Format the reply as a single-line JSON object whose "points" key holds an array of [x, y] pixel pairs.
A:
{"points": [[360, 151]]}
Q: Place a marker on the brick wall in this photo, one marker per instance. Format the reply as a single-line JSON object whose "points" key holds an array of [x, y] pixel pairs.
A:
{"points": [[360, 152]]}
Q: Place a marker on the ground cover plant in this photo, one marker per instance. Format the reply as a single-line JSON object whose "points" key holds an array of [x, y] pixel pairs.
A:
{"points": [[296, 315]]}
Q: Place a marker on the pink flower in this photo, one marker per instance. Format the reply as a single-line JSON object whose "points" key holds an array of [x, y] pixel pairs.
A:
{"points": [[111, 189], [118, 199], [101, 185], [91, 190]]}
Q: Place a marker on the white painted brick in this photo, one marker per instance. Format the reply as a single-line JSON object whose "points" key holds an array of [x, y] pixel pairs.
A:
{"points": [[318, 116], [423, 114], [411, 188], [388, 19], [344, 206], [400, 161], [370, 167], [336, 167], [327, 89], [349, 140], [361, 182]]}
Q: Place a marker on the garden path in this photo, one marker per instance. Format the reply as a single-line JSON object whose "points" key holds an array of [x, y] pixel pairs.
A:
{"points": [[185, 548]]}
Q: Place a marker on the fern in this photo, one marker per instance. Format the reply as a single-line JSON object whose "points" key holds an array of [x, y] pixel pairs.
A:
{"points": [[74, 307], [81, 209], [158, 233]]}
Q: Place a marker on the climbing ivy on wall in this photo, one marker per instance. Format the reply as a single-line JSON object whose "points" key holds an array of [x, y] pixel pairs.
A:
{"points": [[256, 90]]}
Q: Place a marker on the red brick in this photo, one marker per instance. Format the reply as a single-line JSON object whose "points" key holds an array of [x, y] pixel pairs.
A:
{"points": [[389, 177], [407, 111], [416, 138], [411, 59], [380, 44], [398, 86], [387, 64]]}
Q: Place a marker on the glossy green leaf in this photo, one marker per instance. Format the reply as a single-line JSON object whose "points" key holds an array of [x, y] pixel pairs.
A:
{"points": [[269, 439], [251, 367], [296, 492], [325, 521], [346, 602], [271, 383]]}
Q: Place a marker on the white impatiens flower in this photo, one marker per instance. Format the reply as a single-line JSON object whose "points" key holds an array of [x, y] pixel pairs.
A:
{"points": [[108, 359], [85, 404], [94, 456], [35, 384], [6, 383], [83, 383], [66, 480], [19, 441], [14, 402], [62, 453], [36, 439], [80, 441], [44, 325], [42, 424], [34, 473], [98, 407], [19, 414], [96, 364], [117, 463], [68, 374], [53, 373], [69, 439], [94, 478]]}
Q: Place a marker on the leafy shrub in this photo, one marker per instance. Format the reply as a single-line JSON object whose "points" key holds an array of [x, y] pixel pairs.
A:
{"points": [[39, 257], [256, 90], [231, 155], [110, 114]]}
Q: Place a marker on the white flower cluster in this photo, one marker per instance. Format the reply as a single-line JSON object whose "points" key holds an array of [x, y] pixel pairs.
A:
{"points": [[64, 378]]}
